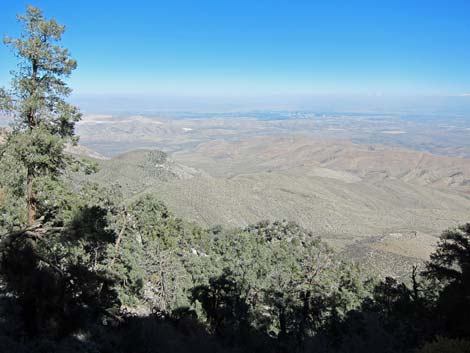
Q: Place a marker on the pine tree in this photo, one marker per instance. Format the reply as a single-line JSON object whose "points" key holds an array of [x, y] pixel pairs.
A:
{"points": [[43, 120], [57, 238]]}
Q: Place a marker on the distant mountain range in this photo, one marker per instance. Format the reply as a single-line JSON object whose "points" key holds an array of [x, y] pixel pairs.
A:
{"points": [[382, 206]]}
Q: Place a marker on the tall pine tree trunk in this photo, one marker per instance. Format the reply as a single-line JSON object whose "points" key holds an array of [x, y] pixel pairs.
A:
{"points": [[30, 198]]}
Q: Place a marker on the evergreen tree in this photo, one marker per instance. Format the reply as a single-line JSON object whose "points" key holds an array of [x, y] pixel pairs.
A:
{"points": [[449, 268], [57, 239], [43, 120]]}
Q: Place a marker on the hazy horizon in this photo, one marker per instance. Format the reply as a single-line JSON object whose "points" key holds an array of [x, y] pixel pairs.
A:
{"points": [[399, 104]]}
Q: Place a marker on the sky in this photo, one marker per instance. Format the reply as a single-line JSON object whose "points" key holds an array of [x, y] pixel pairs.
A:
{"points": [[248, 47]]}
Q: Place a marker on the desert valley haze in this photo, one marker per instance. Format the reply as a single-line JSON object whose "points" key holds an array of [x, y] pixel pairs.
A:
{"points": [[235, 177]]}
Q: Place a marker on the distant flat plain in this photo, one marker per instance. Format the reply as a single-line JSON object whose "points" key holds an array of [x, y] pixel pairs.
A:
{"points": [[438, 134]]}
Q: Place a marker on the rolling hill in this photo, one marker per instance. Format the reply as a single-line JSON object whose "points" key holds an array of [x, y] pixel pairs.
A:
{"points": [[382, 206], [135, 171]]}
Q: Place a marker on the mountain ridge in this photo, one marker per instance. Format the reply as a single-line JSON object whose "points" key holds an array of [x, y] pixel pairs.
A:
{"points": [[368, 214]]}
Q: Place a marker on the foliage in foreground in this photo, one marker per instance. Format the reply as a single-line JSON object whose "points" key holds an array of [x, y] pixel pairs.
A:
{"points": [[133, 278]]}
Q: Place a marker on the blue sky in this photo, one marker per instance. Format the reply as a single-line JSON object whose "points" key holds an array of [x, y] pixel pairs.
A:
{"points": [[259, 47]]}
